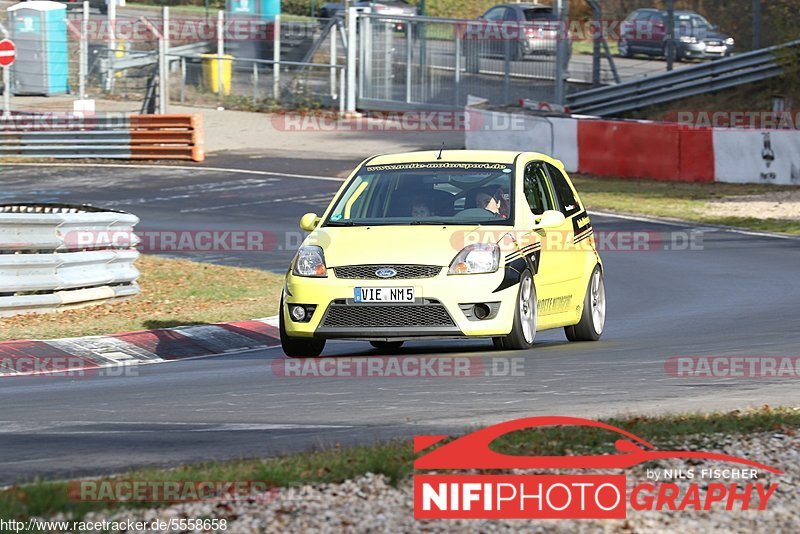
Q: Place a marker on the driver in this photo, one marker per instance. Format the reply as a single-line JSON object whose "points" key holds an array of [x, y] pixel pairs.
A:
{"points": [[492, 198]]}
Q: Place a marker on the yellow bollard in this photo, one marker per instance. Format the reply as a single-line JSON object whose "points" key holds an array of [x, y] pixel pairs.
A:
{"points": [[211, 72]]}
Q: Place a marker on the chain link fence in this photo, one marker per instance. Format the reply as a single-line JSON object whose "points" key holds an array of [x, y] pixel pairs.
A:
{"points": [[412, 61]]}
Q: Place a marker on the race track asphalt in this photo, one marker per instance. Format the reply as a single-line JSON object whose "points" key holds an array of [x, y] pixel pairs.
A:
{"points": [[736, 294]]}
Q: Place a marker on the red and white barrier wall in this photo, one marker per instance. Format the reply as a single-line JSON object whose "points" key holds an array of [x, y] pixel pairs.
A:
{"points": [[644, 149]]}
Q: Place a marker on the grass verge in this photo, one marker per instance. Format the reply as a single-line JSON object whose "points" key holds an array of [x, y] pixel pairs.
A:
{"points": [[395, 459], [680, 200], [586, 46], [174, 293]]}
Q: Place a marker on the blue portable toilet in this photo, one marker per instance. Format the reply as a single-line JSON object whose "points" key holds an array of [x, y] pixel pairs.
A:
{"points": [[262, 14], [39, 31], [260, 9]]}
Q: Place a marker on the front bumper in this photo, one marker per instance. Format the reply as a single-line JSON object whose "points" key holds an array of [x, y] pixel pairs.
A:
{"points": [[704, 51], [436, 312]]}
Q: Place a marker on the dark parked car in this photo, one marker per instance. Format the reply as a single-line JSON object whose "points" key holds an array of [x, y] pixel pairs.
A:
{"points": [[538, 29], [645, 32]]}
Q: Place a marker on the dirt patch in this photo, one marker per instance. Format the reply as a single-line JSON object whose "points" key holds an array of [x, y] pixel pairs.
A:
{"points": [[774, 205]]}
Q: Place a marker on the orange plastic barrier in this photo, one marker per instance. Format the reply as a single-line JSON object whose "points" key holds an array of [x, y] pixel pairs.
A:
{"points": [[167, 137]]}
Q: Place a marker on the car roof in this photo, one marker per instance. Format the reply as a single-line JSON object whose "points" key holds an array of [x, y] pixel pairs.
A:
{"points": [[454, 155], [525, 5]]}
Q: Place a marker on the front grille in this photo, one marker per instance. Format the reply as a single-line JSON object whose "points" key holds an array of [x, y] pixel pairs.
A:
{"points": [[386, 316], [367, 272]]}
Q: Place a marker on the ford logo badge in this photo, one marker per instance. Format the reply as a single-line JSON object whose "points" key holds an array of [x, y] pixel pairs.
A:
{"points": [[386, 272]]}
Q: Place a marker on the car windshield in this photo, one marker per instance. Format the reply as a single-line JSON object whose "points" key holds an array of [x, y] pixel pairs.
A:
{"points": [[539, 14], [691, 21], [426, 193]]}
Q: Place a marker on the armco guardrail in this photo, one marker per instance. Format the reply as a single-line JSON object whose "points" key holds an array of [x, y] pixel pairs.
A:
{"points": [[687, 81], [54, 256], [113, 137]]}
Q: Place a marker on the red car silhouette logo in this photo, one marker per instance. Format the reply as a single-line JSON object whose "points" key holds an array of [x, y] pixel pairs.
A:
{"points": [[472, 451]]}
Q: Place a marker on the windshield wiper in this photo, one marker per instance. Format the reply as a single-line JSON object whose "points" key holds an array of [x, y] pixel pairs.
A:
{"points": [[340, 223], [417, 222]]}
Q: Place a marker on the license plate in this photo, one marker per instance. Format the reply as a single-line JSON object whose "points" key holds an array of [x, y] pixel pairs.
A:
{"points": [[715, 49], [384, 294]]}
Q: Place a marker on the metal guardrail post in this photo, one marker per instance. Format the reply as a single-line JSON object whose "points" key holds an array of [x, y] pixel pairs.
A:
{"points": [[670, 34], [112, 44], [255, 83], [507, 71], [276, 57], [333, 59], [756, 24], [457, 40], [183, 79], [561, 54], [83, 49], [163, 63], [352, 23], [409, 56]]}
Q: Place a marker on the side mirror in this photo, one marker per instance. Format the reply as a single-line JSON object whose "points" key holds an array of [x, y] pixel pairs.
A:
{"points": [[548, 219], [309, 222]]}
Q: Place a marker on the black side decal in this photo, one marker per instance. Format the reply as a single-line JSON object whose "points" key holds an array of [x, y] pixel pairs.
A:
{"points": [[513, 272]]}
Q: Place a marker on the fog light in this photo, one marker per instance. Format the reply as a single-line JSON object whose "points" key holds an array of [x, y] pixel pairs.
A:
{"points": [[298, 313], [482, 311]]}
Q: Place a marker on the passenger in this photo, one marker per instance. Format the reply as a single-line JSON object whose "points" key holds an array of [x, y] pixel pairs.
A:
{"points": [[420, 209]]}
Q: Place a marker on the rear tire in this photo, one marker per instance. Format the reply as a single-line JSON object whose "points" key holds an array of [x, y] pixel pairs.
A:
{"points": [[523, 331], [593, 316], [386, 345], [298, 347]]}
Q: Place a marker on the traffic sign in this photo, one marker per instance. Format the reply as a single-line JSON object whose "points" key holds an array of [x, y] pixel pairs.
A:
{"points": [[8, 52]]}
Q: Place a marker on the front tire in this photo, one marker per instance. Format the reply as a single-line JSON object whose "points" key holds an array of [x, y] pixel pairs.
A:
{"points": [[593, 317], [523, 331], [298, 347]]}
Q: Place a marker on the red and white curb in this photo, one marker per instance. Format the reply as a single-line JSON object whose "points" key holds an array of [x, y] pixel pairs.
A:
{"points": [[33, 357]]}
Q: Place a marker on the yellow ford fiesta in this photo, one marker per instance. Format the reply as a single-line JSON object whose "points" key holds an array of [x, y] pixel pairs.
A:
{"points": [[446, 244]]}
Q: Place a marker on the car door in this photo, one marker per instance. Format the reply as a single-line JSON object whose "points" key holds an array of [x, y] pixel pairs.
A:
{"points": [[494, 18], [550, 277], [658, 33], [637, 27], [578, 251]]}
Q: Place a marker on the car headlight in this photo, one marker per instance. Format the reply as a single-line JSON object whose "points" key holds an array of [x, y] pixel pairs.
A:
{"points": [[477, 258], [729, 41], [688, 39], [310, 261]]}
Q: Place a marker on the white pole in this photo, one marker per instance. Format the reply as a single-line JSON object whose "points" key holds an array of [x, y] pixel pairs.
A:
{"points": [[112, 43], [83, 50], [164, 63], [6, 92], [276, 58], [333, 61], [352, 20], [220, 48]]}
